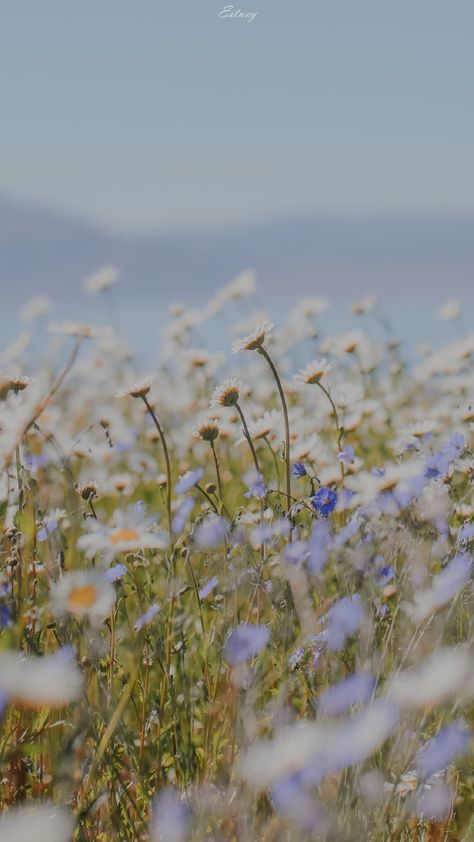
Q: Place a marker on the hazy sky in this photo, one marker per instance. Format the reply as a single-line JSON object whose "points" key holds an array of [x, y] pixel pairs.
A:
{"points": [[149, 114]]}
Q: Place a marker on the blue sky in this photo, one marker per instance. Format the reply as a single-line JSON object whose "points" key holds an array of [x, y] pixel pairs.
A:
{"points": [[158, 114]]}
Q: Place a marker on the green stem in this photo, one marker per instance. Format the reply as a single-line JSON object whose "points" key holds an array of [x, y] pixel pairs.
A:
{"points": [[248, 437], [167, 458], [275, 461], [339, 429], [218, 475], [269, 360]]}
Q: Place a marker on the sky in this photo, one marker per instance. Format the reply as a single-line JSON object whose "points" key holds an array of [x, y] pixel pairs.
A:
{"points": [[156, 115]]}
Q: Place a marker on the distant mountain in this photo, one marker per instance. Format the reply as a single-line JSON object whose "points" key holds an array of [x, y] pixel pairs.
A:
{"points": [[398, 254]]}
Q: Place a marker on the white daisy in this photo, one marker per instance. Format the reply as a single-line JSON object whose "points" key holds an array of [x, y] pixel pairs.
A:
{"points": [[131, 530], [35, 682], [41, 822], [83, 592], [313, 372], [264, 426], [139, 389], [227, 394], [102, 279], [255, 339]]}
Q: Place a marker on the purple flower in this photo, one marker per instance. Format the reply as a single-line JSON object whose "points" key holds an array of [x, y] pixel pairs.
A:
{"points": [[208, 587], [346, 456], [442, 749], [49, 527], [6, 618], [147, 617], [343, 620], [169, 817], [245, 642], [118, 571], [353, 690], [181, 515], [298, 470], [296, 552], [384, 575], [211, 532], [257, 487], [188, 481], [318, 547], [324, 501]]}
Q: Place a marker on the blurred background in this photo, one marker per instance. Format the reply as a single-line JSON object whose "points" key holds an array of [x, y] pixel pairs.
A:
{"points": [[326, 145]]}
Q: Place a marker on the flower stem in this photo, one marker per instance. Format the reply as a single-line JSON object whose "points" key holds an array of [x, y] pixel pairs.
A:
{"points": [[248, 437], [269, 360], [340, 430], [167, 458], [218, 474]]}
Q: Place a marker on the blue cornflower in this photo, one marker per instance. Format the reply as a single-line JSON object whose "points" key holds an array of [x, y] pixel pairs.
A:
{"points": [[113, 574], [46, 530], [6, 618], [353, 690], [208, 587], [343, 620], [298, 470], [319, 545], [188, 481], [346, 456], [442, 749], [181, 514], [147, 617], [169, 817], [324, 501], [296, 552], [384, 575], [245, 642], [257, 487], [296, 658]]}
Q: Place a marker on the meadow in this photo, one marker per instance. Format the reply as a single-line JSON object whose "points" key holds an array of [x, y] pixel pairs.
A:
{"points": [[236, 590]]}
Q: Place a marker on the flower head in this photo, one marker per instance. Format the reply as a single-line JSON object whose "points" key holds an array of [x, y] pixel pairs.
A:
{"points": [[207, 430], [313, 372], [102, 279], [254, 340], [245, 642], [35, 682], [139, 389], [324, 501], [227, 394], [84, 593]]}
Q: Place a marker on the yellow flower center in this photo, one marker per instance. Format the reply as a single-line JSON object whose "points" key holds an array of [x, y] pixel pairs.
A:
{"points": [[81, 598], [124, 535]]}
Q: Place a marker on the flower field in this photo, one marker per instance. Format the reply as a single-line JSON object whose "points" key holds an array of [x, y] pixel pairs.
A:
{"points": [[236, 592]]}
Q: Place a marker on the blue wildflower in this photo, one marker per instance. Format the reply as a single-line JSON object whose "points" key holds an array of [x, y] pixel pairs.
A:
{"points": [[169, 817], [113, 574], [346, 456], [298, 470], [245, 642], [208, 587], [6, 618], [441, 750], [384, 575], [188, 481], [211, 532], [296, 552], [257, 487], [324, 501], [147, 617], [343, 620], [318, 547], [351, 691], [45, 531], [181, 515]]}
